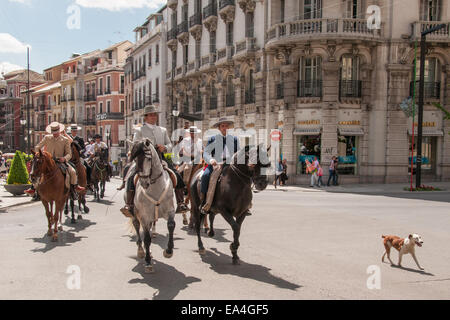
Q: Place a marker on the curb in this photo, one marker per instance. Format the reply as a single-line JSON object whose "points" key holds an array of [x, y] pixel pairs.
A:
{"points": [[18, 205]]}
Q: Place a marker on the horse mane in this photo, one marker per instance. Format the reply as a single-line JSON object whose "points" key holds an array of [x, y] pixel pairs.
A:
{"points": [[49, 163]]}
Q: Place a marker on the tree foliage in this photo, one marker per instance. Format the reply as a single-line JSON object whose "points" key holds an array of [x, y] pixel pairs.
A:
{"points": [[18, 173]]}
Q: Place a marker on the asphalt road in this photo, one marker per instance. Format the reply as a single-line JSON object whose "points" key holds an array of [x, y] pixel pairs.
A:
{"points": [[298, 244]]}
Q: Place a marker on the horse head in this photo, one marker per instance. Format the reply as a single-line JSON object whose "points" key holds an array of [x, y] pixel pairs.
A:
{"points": [[76, 150], [39, 165], [144, 152], [259, 161]]}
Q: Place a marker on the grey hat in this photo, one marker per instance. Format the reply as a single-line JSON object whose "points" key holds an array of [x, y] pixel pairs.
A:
{"points": [[151, 109], [223, 120]]}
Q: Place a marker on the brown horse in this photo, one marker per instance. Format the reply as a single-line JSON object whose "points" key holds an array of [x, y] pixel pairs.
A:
{"points": [[82, 181], [51, 188], [100, 173]]}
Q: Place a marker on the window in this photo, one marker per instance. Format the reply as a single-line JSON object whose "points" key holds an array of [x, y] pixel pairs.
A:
{"points": [[101, 107], [212, 42], [174, 59], [122, 84], [347, 155], [308, 147], [229, 35], [352, 9], [312, 9], [428, 154], [230, 92], [350, 85], [108, 84], [108, 106], [184, 12], [430, 10], [282, 8], [249, 24], [157, 54], [432, 79], [197, 49], [100, 86], [122, 106], [186, 54], [310, 77], [213, 96], [157, 87]]}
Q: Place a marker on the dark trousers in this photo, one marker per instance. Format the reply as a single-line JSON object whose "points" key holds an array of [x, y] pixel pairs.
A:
{"points": [[205, 178], [332, 176]]}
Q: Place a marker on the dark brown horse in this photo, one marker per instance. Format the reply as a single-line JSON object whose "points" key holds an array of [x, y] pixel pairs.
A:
{"points": [[100, 173], [51, 188], [233, 194], [82, 181]]}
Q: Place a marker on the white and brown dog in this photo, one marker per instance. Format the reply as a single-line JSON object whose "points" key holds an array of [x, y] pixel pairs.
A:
{"points": [[403, 246]]}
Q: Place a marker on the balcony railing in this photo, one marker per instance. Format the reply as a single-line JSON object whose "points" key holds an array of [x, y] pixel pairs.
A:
{"points": [[198, 105], [350, 88], [324, 26], [172, 34], [90, 122], [432, 90], [195, 20], [89, 97], [210, 10], [310, 88], [280, 91], [224, 3], [71, 98], [63, 99], [182, 27], [229, 100], [213, 102], [108, 91], [442, 34], [155, 98]]}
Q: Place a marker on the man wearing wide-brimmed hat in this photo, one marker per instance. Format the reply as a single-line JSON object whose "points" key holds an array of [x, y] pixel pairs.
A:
{"points": [[79, 141], [58, 145], [158, 137], [191, 147], [219, 150]]}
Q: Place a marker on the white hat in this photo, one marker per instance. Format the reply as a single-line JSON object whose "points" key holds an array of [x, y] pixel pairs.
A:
{"points": [[54, 127], [193, 129]]}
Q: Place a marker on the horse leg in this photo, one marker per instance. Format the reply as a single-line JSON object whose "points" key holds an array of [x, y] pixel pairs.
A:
{"points": [[80, 200], [148, 258], [137, 227], [72, 205], [48, 213], [102, 186], [154, 233], [55, 221], [205, 224], [198, 222], [236, 226], [170, 226], [83, 202], [66, 208], [211, 221]]}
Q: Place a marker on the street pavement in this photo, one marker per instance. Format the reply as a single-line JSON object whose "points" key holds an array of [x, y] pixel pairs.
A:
{"points": [[300, 243]]}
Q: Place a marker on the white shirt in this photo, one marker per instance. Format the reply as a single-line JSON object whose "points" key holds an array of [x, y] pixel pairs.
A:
{"points": [[186, 146]]}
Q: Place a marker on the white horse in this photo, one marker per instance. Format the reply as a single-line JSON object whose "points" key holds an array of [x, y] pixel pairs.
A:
{"points": [[154, 198]]}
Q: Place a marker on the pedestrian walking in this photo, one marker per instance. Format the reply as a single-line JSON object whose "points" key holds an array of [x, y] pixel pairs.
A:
{"points": [[320, 174], [332, 171], [278, 173], [314, 168], [284, 175]]}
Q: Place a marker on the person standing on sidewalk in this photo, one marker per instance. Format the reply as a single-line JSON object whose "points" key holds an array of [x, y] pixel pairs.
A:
{"points": [[278, 173], [284, 175], [320, 174], [332, 171], [314, 169]]}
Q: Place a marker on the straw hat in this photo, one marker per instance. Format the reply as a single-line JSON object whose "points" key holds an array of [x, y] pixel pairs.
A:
{"points": [[223, 120], [74, 126], [193, 129], [150, 109], [54, 127]]}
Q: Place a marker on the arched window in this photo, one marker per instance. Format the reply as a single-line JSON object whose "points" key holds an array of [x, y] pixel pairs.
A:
{"points": [[213, 96], [349, 84], [430, 10], [432, 79], [249, 88], [230, 92]]}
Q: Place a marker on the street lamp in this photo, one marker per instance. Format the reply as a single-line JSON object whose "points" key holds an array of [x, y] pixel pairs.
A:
{"points": [[23, 122], [107, 134], [1, 145], [423, 48], [175, 113]]}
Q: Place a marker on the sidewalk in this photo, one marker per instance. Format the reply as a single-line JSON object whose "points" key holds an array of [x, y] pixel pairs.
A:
{"points": [[8, 200], [364, 188]]}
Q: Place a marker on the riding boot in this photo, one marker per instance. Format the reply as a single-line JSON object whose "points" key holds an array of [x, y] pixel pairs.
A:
{"points": [[179, 194], [202, 202], [128, 210]]}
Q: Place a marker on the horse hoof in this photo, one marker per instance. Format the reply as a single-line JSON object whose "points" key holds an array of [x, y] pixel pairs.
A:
{"points": [[140, 253], [49, 233], [66, 212], [154, 234], [206, 229], [202, 252], [60, 228], [55, 238], [149, 269], [79, 217], [167, 255], [86, 210], [236, 262], [191, 225], [73, 221], [211, 233], [185, 222]]}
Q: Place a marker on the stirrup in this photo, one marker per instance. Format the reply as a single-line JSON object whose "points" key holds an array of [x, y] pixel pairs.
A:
{"points": [[126, 212]]}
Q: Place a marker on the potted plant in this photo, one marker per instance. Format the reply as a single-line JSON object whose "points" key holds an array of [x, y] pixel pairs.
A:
{"points": [[18, 179]]}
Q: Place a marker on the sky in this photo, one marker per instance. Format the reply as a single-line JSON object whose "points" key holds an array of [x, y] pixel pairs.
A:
{"points": [[55, 29]]}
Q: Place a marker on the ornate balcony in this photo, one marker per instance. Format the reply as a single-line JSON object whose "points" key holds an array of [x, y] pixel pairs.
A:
{"points": [[350, 89], [210, 16], [172, 4], [309, 88], [195, 25], [442, 35], [280, 91], [284, 33], [227, 10], [212, 102], [245, 48], [230, 100], [183, 32], [432, 90], [172, 38]]}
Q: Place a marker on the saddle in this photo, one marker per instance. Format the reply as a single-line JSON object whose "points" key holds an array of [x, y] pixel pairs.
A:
{"points": [[213, 180]]}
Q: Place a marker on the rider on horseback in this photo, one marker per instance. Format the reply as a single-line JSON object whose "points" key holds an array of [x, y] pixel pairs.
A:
{"points": [[95, 153], [159, 138], [74, 136], [59, 147], [219, 150]]}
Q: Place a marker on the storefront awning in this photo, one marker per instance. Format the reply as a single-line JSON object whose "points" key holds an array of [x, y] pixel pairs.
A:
{"points": [[354, 131], [429, 132], [307, 131]]}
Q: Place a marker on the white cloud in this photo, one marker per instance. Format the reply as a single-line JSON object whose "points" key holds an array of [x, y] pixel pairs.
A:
{"points": [[21, 1], [6, 67], [9, 44], [118, 5]]}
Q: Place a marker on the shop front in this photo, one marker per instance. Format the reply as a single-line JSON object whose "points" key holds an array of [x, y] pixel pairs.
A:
{"points": [[308, 138]]}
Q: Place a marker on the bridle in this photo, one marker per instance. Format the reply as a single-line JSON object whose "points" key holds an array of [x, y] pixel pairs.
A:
{"points": [[47, 179], [147, 155]]}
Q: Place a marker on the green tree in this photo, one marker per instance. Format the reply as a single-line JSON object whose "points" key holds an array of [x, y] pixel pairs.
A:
{"points": [[18, 173], [446, 113]]}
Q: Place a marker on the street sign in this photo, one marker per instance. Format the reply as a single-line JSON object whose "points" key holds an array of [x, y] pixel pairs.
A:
{"points": [[275, 135]]}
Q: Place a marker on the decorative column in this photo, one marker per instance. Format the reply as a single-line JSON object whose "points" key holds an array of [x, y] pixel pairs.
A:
{"points": [[445, 159]]}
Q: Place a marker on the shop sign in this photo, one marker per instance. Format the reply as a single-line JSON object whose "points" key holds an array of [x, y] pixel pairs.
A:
{"points": [[350, 123], [426, 124], [308, 122]]}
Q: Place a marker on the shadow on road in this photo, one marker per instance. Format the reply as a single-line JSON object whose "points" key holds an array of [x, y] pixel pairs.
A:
{"points": [[65, 238], [167, 281], [221, 263], [219, 234], [413, 270]]}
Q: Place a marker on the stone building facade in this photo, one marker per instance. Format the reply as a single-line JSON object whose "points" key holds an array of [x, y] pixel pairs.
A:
{"points": [[325, 73]]}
